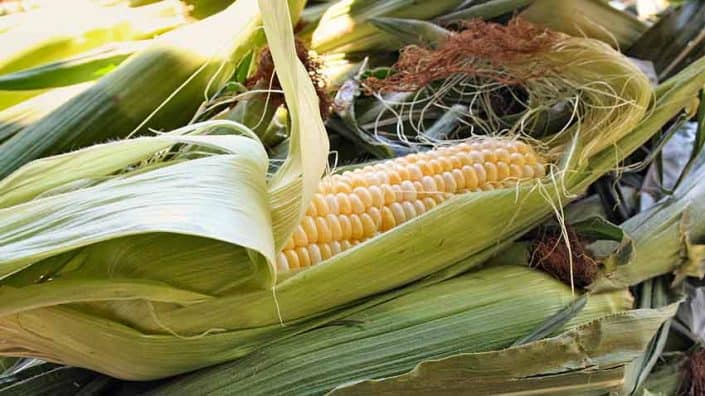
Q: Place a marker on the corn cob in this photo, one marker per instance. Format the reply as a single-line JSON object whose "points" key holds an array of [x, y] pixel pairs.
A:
{"points": [[357, 205]]}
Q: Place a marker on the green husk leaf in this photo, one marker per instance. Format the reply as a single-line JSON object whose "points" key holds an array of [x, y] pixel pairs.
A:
{"points": [[16, 118], [555, 322], [410, 31], [85, 67], [667, 238], [460, 315], [542, 366], [587, 18], [12, 98], [55, 381], [346, 26], [486, 10], [31, 44]]}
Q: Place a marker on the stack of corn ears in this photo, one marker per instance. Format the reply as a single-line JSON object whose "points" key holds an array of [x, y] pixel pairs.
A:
{"points": [[154, 256]]}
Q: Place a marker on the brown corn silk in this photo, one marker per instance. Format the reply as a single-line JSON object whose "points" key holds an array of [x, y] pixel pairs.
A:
{"points": [[481, 49]]}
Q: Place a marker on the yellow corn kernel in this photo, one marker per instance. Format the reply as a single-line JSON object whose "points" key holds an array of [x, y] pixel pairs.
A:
{"points": [[376, 216], [398, 213], [517, 159], [308, 224], [304, 258], [357, 230], [292, 259], [502, 170], [449, 182], [300, 237], [369, 228], [326, 251], [356, 204], [345, 226], [335, 248], [324, 232], [458, 177], [314, 253], [408, 190], [388, 220], [336, 230]]}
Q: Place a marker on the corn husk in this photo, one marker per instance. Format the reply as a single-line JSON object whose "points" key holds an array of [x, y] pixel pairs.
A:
{"points": [[11, 98], [587, 360], [16, 118], [485, 10], [213, 210], [84, 67], [666, 238], [587, 18], [674, 41], [478, 312], [346, 25], [158, 88], [43, 37]]}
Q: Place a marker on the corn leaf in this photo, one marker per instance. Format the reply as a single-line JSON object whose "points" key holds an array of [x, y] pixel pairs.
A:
{"points": [[18, 117], [667, 237], [346, 26], [158, 88], [579, 361], [472, 313], [84, 67], [485, 10], [43, 37], [587, 18]]}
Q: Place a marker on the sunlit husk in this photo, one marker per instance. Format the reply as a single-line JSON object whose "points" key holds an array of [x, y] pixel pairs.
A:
{"points": [[158, 88], [64, 30], [587, 18]]}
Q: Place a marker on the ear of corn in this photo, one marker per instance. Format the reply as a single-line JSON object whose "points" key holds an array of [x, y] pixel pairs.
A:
{"points": [[358, 205], [90, 228], [157, 88]]}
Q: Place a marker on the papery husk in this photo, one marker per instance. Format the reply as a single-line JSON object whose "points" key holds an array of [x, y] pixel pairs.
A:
{"points": [[484, 310]]}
